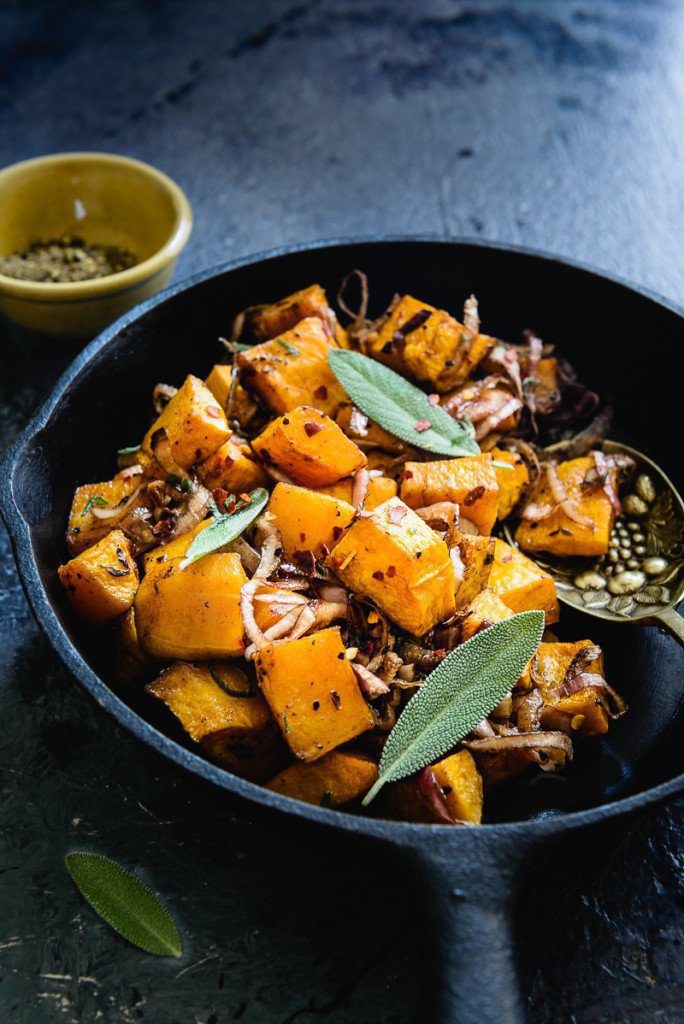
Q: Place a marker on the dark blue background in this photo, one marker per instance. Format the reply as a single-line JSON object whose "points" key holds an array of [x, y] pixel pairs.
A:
{"points": [[551, 124]]}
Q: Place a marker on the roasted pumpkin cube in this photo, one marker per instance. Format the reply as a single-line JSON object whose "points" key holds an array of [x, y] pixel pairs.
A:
{"points": [[338, 778], [460, 781], [512, 482], [101, 581], [219, 382], [477, 556], [586, 707], [192, 613], [268, 604], [484, 610], [394, 558], [313, 694], [133, 663], [380, 488], [558, 533], [308, 520], [267, 321], [194, 422], [234, 467], [255, 757], [521, 584], [211, 699], [85, 528], [470, 482], [293, 370], [358, 427], [435, 348], [309, 447], [242, 407]]}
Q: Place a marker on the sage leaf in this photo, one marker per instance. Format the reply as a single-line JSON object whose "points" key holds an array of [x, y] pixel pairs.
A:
{"points": [[125, 903], [458, 694], [400, 407], [225, 528], [96, 499]]}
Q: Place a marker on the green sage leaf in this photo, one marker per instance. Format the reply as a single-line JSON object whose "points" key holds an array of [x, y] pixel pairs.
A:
{"points": [[458, 694], [291, 350], [95, 500], [125, 903], [132, 450], [225, 528], [400, 407]]}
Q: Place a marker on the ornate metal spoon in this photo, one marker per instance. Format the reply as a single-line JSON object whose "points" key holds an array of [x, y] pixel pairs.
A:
{"points": [[642, 576]]}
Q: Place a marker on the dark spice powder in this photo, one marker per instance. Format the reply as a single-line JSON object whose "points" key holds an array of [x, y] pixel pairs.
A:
{"points": [[65, 259]]}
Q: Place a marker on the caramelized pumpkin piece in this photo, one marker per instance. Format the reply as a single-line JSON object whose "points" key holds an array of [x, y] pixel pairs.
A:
{"points": [[192, 613], [233, 467], [338, 778], [512, 482], [85, 527], [428, 344], [195, 425], [267, 321], [484, 610], [558, 533], [219, 381], [477, 557], [293, 370], [521, 584], [585, 708], [460, 781], [313, 694], [102, 581], [470, 482], [380, 488], [133, 663], [309, 448], [394, 558], [308, 521]]}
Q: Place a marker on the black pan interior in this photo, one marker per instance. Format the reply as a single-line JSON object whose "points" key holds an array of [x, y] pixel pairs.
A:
{"points": [[620, 342]]}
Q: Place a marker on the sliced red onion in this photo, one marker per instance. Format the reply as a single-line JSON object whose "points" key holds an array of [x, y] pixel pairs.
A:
{"points": [[372, 685], [360, 487], [434, 796], [118, 510], [604, 471]]}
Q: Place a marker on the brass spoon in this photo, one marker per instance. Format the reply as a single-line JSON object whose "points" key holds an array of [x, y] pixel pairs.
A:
{"points": [[642, 577]]}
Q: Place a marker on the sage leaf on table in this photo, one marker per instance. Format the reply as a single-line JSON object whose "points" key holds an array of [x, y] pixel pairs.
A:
{"points": [[458, 694], [126, 904], [400, 407], [225, 527]]}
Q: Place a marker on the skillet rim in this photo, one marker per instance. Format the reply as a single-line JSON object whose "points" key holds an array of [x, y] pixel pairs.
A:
{"points": [[21, 542]]}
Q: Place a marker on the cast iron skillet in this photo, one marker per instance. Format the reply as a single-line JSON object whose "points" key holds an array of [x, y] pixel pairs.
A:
{"points": [[620, 340]]}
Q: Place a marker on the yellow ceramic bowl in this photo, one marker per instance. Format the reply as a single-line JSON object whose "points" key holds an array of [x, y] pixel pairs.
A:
{"points": [[107, 200]]}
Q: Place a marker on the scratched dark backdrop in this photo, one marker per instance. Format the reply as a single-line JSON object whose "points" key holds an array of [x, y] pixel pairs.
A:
{"points": [[556, 125]]}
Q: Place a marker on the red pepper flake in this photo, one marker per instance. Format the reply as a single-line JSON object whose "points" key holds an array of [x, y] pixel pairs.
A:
{"points": [[213, 411], [433, 399], [391, 571], [378, 575], [474, 495], [321, 392], [245, 497], [422, 425], [396, 514], [336, 699], [337, 532], [228, 462], [302, 537], [416, 321], [312, 428], [407, 474], [506, 559]]}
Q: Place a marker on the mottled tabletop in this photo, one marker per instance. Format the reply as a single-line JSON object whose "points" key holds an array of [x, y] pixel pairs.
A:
{"points": [[551, 124]]}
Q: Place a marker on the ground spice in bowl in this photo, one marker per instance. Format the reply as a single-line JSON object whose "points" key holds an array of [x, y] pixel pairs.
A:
{"points": [[65, 259]]}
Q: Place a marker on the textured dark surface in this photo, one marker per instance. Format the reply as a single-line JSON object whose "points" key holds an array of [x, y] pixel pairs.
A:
{"points": [[557, 125]]}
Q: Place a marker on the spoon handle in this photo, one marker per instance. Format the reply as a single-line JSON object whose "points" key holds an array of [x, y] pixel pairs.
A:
{"points": [[672, 621]]}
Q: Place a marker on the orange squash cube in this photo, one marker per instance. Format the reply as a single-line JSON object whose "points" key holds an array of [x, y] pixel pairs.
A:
{"points": [[234, 467], [85, 528], [308, 520], [438, 350], [560, 535], [293, 370], [219, 382], [313, 694], [338, 778], [194, 422], [192, 613], [267, 321], [394, 558], [477, 556], [132, 663], [470, 482], [521, 584], [460, 781], [380, 488], [309, 447], [102, 581], [512, 482], [586, 706], [484, 610]]}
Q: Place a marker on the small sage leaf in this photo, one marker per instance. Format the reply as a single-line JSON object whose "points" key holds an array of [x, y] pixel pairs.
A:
{"points": [[125, 903], [225, 528], [458, 694], [399, 407]]}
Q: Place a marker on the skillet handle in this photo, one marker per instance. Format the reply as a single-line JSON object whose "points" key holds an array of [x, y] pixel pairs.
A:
{"points": [[470, 974], [672, 621]]}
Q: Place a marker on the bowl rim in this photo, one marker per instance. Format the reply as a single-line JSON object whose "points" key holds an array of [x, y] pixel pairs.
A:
{"points": [[123, 280], [401, 833]]}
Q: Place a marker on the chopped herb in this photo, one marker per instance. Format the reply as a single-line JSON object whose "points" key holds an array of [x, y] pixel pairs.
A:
{"points": [[249, 692], [181, 482], [289, 348], [95, 500]]}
